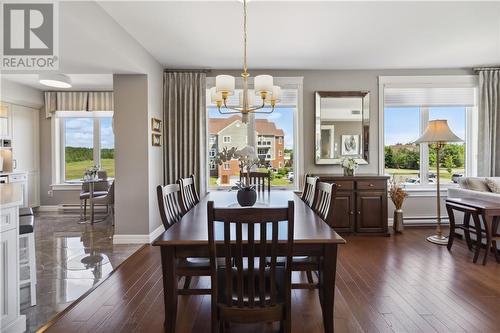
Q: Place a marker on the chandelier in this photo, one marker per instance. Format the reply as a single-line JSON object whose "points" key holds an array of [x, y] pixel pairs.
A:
{"points": [[264, 89]]}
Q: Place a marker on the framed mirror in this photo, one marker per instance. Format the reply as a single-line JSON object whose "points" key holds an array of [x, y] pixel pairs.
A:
{"points": [[342, 124]]}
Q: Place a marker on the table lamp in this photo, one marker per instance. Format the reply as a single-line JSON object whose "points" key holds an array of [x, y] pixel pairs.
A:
{"points": [[439, 133]]}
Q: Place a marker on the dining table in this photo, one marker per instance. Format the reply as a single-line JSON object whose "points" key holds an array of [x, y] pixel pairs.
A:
{"points": [[189, 238]]}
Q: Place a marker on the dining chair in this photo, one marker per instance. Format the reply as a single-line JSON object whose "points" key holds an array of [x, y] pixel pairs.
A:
{"points": [[188, 194], [107, 200], [169, 203], [100, 188], [309, 189], [322, 205], [258, 179], [256, 288]]}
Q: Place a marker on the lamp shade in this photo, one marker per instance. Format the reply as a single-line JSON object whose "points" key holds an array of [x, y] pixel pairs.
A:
{"points": [[438, 131], [263, 83], [215, 96], [225, 83]]}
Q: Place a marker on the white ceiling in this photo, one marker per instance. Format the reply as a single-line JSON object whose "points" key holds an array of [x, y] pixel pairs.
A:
{"points": [[315, 34], [79, 81]]}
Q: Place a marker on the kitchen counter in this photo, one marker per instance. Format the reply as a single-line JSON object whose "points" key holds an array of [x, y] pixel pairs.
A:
{"points": [[11, 197]]}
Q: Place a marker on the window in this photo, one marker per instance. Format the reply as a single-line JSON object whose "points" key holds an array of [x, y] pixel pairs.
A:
{"points": [[407, 112], [86, 139], [212, 153], [278, 127], [212, 165], [211, 140]]}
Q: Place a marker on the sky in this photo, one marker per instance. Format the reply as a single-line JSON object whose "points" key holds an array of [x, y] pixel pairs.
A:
{"points": [[282, 117], [79, 132], [402, 124]]}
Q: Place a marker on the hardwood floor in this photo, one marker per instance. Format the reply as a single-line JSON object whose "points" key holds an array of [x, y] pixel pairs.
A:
{"points": [[397, 284]]}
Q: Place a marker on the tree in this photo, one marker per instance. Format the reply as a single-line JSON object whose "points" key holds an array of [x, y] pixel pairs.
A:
{"points": [[449, 164], [389, 157]]}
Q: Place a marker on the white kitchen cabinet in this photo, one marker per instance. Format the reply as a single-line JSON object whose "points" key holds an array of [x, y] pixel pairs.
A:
{"points": [[5, 121], [25, 149], [11, 319]]}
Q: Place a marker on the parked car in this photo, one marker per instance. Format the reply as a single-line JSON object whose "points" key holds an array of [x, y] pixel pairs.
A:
{"points": [[455, 177]]}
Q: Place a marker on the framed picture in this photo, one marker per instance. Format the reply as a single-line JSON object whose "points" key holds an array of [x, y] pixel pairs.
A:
{"points": [[156, 125], [350, 144], [156, 140]]}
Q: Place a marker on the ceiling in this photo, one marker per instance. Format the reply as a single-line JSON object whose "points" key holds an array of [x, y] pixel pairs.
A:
{"points": [[79, 81], [314, 34]]}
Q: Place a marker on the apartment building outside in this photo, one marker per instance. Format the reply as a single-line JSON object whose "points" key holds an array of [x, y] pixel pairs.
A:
{"points": [[231, 132]]}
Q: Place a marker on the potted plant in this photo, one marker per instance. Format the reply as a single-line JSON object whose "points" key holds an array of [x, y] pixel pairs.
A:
{"points": [[398, 195], [247, 158], [349, 165], [91, 173]]}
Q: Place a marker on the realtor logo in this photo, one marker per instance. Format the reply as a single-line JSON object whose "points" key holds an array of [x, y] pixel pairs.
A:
{"points": [[29, 36]]}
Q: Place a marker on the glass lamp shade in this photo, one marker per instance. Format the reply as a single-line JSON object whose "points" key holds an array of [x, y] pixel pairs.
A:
{"points": [[275, 95], [225, 84], [263, 83], [250, 97], [215, 96], [438, 131]]}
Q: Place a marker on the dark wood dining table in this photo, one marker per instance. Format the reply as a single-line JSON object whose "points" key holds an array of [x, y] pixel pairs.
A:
{"points": [[189, 238]]}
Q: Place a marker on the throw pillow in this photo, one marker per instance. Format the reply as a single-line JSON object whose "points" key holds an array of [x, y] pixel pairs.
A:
{"points": [[475, 184], [494, 184]]}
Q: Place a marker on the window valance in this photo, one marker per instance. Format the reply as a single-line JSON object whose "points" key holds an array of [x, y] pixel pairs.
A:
{"points": [[78, 101]]}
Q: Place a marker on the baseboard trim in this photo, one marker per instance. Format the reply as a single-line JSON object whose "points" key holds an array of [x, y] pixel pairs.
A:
{"points": [[138, 239], [48, 208]]}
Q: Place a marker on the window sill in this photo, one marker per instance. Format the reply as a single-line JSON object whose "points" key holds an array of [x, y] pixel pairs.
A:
{"points": [[66, 187]]}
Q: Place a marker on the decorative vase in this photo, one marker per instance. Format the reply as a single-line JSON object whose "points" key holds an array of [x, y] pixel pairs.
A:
{"points": [[247, 196], [348, 172], [398, 224]]}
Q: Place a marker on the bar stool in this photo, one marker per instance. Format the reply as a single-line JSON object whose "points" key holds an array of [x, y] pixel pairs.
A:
{"points": [[27, 236]]}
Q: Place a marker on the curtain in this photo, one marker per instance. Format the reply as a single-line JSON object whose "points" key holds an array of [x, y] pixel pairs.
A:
{"points": [[101, 101], [185, 126], [77, 101], [489, 123]]}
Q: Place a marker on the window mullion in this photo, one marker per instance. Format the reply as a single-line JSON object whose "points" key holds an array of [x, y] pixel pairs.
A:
{"points": [[424, 148], [97, 141]]}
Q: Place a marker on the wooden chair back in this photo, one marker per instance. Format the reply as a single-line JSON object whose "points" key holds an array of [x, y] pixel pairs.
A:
{"points": [[324, 199], [189, 196], [309, 189], [255, 238], [169, 204], [258, 179]]}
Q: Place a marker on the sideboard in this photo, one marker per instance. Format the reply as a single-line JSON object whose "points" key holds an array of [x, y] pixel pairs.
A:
{"points": [[360, 205]]}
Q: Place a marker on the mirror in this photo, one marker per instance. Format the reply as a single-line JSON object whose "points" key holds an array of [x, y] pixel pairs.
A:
{"points": [[342, 126]]}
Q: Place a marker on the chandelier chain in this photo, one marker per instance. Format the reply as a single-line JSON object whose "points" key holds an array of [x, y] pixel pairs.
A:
{"points": [[245, 36]]}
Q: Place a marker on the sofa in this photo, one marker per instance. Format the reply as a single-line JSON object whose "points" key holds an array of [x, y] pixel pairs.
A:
{"points": [[475, 187]]}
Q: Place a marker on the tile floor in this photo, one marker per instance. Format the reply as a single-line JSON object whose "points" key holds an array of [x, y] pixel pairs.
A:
{"points": [[71, 258]]}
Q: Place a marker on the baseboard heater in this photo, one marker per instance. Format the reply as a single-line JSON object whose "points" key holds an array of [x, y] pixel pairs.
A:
{"points": [[76, 207]]}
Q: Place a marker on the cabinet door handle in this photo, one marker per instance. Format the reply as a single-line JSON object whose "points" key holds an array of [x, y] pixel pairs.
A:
{"points": [[339, 185], [359, 213], [371, 185], [14, 162], [351, 213]]}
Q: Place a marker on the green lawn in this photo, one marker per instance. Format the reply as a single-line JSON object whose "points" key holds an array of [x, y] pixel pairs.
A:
{"points": [[75, 170]]}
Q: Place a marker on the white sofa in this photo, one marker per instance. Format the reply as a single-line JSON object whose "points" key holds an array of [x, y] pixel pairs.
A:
{"points": [[473, 187]]}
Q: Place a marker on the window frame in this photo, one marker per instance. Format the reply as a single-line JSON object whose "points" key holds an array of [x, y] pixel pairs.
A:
{"points": [[58, 143], [464, 81], [226, 137], [298, 145]]}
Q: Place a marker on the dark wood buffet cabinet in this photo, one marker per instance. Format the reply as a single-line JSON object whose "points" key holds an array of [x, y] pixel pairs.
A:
{"points": [[360, 205]]}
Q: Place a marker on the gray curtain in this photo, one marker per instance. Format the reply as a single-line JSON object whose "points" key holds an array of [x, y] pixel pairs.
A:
{"points": [[489, 123], [77, 101], [184, 115]]}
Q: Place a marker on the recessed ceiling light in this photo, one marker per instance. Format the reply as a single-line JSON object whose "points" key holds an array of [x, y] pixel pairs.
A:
{"points": [[55, 80]]}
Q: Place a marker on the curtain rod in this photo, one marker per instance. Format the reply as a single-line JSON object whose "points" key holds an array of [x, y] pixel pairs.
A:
{"points": [[476, 69], [180, 70]]}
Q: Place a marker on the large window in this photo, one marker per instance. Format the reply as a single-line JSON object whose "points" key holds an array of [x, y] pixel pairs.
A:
{"points": [[86, 139], [407, 112], [274, 137]]}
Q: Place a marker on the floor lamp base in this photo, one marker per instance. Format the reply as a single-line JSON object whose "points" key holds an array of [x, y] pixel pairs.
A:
{"points": [[436, 239]]}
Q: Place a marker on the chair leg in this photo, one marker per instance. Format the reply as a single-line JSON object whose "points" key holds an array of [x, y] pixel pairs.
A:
{"points": [[187, 282], [32, 267]]}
